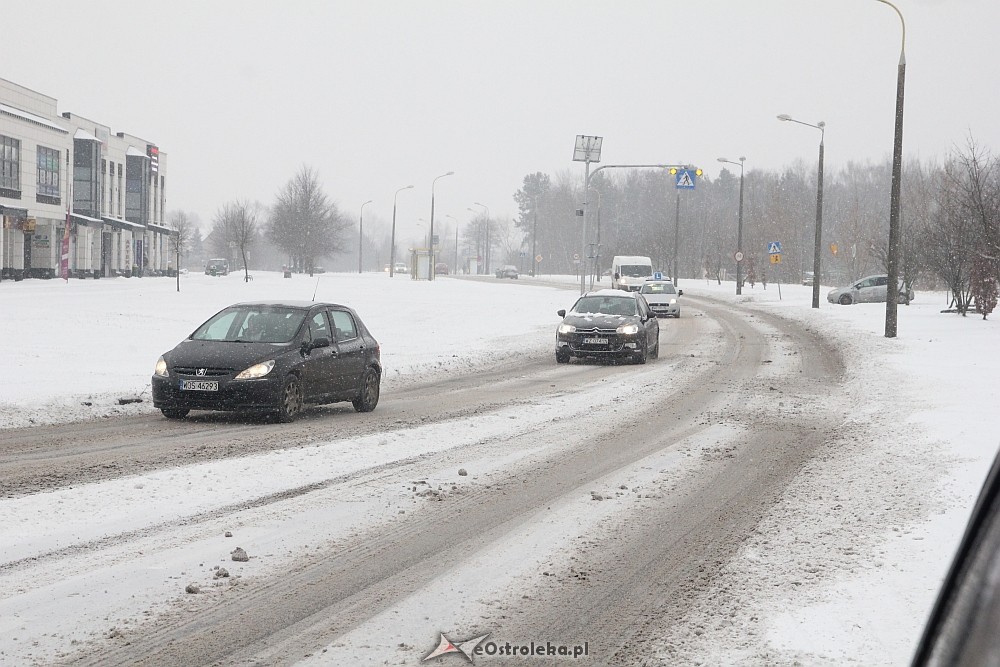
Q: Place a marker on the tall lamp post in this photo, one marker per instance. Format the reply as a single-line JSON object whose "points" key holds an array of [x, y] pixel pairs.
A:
{"points": [[361, 232], [895, 228], [821, 126], [486, 249], [431, 272], [534, 236], [453, 219], [739, 229], [392, 242]]}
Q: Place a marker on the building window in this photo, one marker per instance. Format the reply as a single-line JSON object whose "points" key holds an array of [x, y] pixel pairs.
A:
{"points": [[86, 177], [137, 181], [120, 190], [10, 167], [104, 190], [48, 176]]}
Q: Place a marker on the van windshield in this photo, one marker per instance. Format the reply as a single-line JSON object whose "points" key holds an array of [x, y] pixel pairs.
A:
{"points": [[635, 270]]}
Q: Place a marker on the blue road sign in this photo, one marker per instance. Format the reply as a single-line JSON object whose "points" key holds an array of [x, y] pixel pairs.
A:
{"points": [[685, 179], [657, 276], [774, 248]]}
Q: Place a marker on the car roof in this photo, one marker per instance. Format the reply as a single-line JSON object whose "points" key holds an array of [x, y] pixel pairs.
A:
{"points": [[612, 292], [290, 304]]}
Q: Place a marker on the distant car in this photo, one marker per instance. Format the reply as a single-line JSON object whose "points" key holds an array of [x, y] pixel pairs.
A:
{"points": [[807, 278], [217, 267], [872, 289], [401, 267], [662, 297], [507, 271], [386, 268], [271, 357], [608, 323], [440, 269]]}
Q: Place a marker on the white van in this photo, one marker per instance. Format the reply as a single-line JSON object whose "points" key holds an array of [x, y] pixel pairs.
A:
{"points": [[629, 272]]}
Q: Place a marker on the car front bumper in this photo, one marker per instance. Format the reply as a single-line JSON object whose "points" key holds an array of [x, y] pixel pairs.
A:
{"points": [[232, 395], [665, 309], [618, 345]]}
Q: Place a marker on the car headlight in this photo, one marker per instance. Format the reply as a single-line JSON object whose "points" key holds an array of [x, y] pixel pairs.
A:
{"points": [[256, 371], [628, 329], [673, 301], [161, 368], [566, 328]]}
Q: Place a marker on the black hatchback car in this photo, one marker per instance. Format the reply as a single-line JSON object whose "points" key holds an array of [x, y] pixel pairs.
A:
{"points": [[271, 357], [608, 323]]}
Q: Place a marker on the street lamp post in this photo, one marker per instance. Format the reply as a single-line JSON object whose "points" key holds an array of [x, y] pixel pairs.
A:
{"points": [[534, 236], [431, 276], [392, 241], [455, 220], [486, 249], [821, 126], [895, 227], [739, 229], [361, 232]]}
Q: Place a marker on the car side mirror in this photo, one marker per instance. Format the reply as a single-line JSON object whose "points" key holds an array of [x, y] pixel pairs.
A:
{"points": [[617, 275], [321, 341], [561, 313], [680, 292]]}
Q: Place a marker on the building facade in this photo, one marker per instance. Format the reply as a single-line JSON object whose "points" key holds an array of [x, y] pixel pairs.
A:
{"points": [[58, 169]]}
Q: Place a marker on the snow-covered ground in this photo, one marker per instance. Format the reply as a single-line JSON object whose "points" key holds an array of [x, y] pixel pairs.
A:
{"points": [[847, 592]]}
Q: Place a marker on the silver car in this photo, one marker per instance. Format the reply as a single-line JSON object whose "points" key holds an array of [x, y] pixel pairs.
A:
{"points": [[662, 297], [872, 289]]}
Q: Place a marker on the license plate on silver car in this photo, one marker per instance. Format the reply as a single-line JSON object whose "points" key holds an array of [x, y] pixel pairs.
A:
{"points": [[595, 341], [199, 385]]}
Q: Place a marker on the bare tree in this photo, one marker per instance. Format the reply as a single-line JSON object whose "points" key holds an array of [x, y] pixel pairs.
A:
{"points": [[183, 232], [238, 222], [952, 238], [305, 223]]}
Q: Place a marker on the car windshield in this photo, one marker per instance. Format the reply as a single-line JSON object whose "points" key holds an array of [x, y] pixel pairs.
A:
{"points": [[658, 288], [605, 305], [246, 324], [635, 270]]}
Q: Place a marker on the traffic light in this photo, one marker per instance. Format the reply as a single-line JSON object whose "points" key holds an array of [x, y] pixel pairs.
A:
{"points": [[674, 170]]}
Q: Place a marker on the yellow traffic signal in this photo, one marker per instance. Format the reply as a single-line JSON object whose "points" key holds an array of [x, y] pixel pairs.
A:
{"points": [[673, 171], [697, 172]]}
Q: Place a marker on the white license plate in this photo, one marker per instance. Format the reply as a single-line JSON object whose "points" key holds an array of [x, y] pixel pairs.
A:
{"points": [[595, 341], [199, 385]]}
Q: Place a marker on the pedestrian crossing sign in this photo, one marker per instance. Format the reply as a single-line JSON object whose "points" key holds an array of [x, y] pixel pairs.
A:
{"points": [[774, 248], [685, 179]]}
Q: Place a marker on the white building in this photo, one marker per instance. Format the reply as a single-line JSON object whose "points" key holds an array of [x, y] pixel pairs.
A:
{"points": [[54, 168]]}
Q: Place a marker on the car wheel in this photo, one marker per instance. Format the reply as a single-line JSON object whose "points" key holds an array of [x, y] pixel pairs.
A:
{"points": [[562, 357], [290, 400], [655, 354], [368, 398], [846, 300], [175, 413]]}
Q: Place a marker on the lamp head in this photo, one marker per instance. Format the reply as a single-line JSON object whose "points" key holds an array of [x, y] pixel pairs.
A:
{"points": [[722, 159], [821, 124], [784, 116]]}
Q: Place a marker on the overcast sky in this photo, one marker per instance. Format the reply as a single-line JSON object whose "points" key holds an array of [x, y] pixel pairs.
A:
{"points": [[377, 95]]}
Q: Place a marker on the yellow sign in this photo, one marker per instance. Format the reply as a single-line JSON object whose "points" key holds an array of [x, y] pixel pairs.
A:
{"points": [[29, 225], [775, 259], [538, 258], [834, 248]]}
